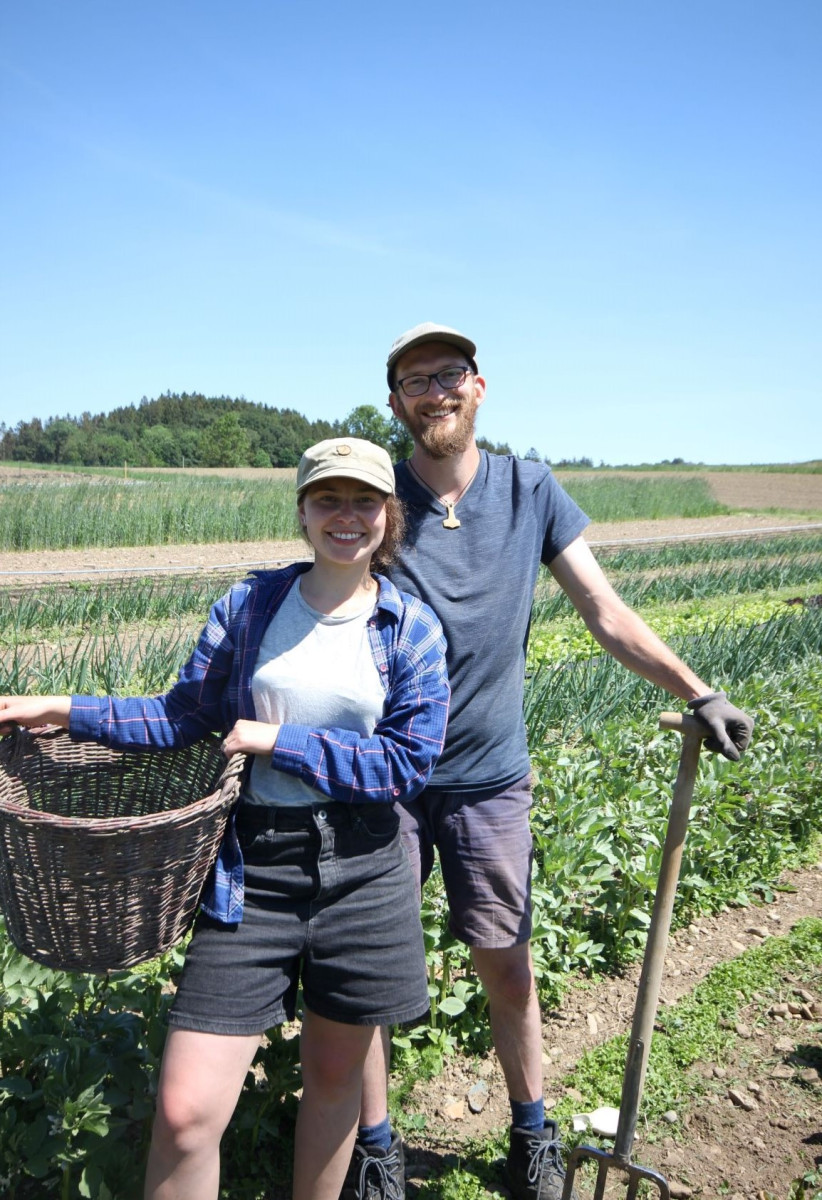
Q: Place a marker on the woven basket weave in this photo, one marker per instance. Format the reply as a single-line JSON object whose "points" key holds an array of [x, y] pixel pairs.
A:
{"points": [[103, 853]]}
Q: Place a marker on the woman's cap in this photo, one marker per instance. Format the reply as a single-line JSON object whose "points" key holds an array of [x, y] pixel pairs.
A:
{"points": [[428, 332], [346, 458]]}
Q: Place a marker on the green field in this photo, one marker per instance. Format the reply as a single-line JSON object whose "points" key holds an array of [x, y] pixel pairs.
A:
{"points": [[79, 1054]]}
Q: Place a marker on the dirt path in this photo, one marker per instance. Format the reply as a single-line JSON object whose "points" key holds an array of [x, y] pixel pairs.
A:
{"points": [[227, 558], [714, 1149]]}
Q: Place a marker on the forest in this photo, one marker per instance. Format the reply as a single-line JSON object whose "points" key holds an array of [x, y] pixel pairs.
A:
{"points": [[192, 430]]}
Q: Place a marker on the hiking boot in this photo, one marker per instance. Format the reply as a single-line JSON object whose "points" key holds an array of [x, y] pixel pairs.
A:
{"points": [[533, 1169], [376, 1174]]}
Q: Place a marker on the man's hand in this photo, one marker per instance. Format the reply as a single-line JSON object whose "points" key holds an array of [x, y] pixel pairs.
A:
{"points": [[250, 737], [730, 727]]}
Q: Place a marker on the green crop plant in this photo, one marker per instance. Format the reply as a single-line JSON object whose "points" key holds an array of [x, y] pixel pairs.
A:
{"points": [[709, 551], [567, 638], [107, 512], [600, 816], [98, 664], [69, 610], [697, 570], [569, 699], [79, 1061], [624, 498]]}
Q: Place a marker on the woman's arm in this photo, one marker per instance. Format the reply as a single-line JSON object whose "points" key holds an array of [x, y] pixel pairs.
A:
{"points": [[192, 708], [33, 712]]}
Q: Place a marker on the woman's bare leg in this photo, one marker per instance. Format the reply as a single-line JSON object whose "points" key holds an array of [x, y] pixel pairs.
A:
{"points": [[332, 1057], [201, 1077]]}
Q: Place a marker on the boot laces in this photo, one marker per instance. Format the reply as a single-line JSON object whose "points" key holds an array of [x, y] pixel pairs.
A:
{"points": [[544, 1155], [385, 1186]]}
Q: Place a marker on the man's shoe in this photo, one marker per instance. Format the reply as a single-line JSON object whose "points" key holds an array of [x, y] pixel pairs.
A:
{"points": [[376, 1174], [533, 1169]]}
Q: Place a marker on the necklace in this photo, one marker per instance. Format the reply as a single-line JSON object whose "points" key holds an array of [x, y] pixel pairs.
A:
{"points": [[451, 520]]}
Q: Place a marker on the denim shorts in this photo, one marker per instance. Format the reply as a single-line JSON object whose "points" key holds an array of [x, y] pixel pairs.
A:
{"points": [[330, 904], [486, 851]]}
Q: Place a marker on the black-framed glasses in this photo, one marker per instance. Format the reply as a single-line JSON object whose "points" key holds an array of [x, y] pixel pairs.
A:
{"points": [[448, 377]]}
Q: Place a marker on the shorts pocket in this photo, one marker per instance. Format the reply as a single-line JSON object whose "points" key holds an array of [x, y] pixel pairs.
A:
{"points": [[378, 822]]}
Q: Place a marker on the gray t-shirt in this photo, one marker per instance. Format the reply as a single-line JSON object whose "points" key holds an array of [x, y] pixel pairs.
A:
{"points": [[479, 580], [317, 670]]}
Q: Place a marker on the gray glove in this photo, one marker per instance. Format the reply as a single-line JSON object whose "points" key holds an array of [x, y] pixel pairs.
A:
{"points": [[730, 727]]}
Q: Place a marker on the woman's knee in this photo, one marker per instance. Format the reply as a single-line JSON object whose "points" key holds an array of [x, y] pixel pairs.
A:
{"points": [[186, 1122], [333, 1056]]}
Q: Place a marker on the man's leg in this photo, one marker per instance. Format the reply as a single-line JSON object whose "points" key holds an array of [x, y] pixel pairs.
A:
{"points": [[534, 1167], [516, 1025], [200, 1081]]}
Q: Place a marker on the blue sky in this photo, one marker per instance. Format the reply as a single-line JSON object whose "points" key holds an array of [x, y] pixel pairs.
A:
{"points": [[620, 201]]}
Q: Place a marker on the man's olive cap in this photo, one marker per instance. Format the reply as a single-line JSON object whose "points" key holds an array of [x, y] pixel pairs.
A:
{"points": [[428, 332]]}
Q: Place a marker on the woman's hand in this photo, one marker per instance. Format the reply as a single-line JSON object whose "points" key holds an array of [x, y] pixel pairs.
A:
{"points": [[34, 712], [250, 737]]}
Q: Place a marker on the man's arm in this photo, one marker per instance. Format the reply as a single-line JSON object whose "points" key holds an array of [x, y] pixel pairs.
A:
{"points": [[625, 636], [617, 628]]}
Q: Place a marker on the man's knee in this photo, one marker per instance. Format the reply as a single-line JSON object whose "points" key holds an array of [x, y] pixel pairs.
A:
{"points": [[506, 974]]}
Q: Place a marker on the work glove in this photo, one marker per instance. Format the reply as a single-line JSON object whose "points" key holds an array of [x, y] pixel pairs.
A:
{"points": [[730, 727]]}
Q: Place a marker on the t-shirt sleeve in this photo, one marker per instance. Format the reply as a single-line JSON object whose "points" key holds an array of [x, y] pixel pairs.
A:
{"points": [[564, 520]]}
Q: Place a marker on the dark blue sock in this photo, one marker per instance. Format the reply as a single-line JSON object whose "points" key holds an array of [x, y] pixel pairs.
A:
{"points": [[528, 1114], [376, 1135]]}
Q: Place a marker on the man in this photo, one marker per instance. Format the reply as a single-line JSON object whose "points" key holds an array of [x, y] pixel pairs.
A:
{"points": [[479, 526]]}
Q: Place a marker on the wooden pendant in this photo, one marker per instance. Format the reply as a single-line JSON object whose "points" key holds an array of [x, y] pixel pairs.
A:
{"points": [[451, 521]]}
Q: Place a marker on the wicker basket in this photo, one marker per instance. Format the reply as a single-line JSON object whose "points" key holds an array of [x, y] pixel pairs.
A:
{"points": [[103, 853]]}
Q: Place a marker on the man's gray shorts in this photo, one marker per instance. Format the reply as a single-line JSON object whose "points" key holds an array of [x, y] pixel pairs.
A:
{"points": [[485, 848]]}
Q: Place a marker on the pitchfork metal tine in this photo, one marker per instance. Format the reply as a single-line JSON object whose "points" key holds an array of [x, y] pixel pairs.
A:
{"points": [[636, 1174]]}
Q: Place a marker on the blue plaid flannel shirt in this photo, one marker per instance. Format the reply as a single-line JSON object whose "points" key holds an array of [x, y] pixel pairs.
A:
{"points": [[213, 691]]}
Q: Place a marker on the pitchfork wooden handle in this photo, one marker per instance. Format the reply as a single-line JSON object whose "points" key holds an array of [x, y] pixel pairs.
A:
{"points": [[693, 731], [683, 723]]}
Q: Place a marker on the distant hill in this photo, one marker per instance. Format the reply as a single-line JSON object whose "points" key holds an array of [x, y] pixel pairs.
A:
{"points": [[174, 430], [192, 430]]}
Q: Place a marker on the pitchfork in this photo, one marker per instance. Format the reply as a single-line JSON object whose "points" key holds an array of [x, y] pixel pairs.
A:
{"points": [[693, 731]]}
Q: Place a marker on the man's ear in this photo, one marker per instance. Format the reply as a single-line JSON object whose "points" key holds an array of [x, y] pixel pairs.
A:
{"points": [[394, 404], [479, 389]]}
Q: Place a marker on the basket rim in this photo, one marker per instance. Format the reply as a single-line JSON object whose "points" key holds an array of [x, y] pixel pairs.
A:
{"points": [[224, 794]]}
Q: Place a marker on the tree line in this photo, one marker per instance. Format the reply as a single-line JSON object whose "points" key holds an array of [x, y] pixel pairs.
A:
{"points": [[192, 430]]}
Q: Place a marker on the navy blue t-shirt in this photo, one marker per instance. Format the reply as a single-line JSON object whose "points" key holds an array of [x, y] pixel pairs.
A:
{"points": [[479, 580]]}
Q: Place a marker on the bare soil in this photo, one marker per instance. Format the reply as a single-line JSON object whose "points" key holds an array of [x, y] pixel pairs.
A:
{"points": [[751, 1145], [716, 1148], [44, 566]]}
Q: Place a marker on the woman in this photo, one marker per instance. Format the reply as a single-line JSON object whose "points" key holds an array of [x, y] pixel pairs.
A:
{"points": [[334, 683]]}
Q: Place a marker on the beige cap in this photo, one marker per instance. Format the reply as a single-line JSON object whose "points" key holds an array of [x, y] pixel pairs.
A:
{"points": [[428, 332], [346, 458]]}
